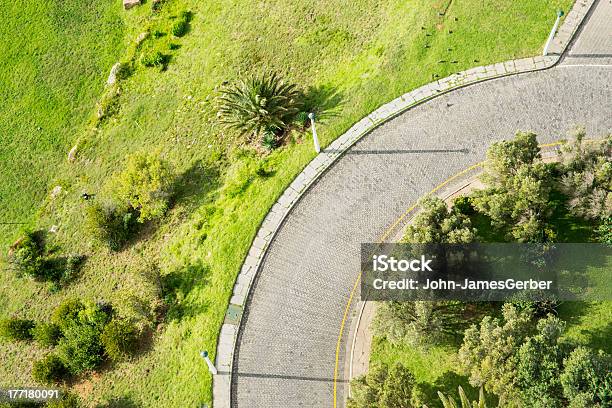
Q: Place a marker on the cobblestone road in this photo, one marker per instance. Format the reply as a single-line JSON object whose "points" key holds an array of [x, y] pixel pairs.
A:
{"points": [[286, 351]]}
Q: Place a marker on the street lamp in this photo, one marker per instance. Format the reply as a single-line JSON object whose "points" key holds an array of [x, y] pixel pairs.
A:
{"points": [[211, 366], [552, 32], [315, 139]]}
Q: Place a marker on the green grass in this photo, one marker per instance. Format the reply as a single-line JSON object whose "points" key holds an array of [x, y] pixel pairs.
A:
{"points": [[54, 58], [351, 56]]}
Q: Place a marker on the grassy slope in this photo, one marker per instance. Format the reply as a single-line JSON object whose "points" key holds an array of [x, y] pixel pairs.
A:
{"points": [[364, 52], [54, 58]]}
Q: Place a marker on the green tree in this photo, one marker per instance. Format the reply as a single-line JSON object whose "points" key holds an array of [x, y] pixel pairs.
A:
{"points": [[435, 223], [259, 103], [587, 179], [383, 388], [587, 378], [505, 158], [539, 362], [146, 185], [487, 352], [418, 323], [518, 193]]}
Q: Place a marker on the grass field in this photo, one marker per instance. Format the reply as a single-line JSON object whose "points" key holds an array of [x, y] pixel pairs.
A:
{"points": [[350, 56]]}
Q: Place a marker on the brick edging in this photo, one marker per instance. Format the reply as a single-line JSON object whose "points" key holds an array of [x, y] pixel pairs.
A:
{"points": [[283, 206]]}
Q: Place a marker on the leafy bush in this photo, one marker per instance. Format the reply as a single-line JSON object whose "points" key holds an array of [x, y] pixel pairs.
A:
{"points": [[72, 267], [383, 388], [587, 177], [153, 59], [81, 325], [46, 334], [50, 370], [463, 205], [587, 377], [417, 323], [110, 223], [16, 329], [269, 140], [146, 185], [538, 303], [179, 28], [67, 312], [119, 338], [66, 401], [80, 347], [604, 231], [28, 254], [257, 103], [436, 224]]}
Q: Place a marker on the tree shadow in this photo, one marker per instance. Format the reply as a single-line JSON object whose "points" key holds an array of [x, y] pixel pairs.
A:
{"points": [[324, 101], [177, 287], [195, 183], [599, 339], [119, 402]]}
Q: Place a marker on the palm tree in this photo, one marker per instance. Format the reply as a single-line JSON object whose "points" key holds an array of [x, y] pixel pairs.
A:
{"points": [[449, 402], [258, 104]]}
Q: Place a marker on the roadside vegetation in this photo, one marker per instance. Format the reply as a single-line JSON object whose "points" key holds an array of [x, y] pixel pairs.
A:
{"points": [[527, 352], [158, 180]]}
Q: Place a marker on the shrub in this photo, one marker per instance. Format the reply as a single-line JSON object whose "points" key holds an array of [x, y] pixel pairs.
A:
{"points": [[383, 388], [587, 377], [538, 303], [146, 185], [49, 370], [28, 254], [46, 334], [418, 323], [67, 312], [179, 28], [72, 267], [16, 329], [110, 223], [463, 205], [257, 103], [153, 59], [119, 338], [66, 401], [269, 140], [436, 224], [80, 347], [604, 231]]}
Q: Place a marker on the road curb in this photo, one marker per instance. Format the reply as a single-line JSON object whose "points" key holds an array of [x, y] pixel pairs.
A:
{"points": [[230, 330]]}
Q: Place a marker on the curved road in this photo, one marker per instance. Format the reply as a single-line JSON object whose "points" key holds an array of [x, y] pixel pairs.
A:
{"points": [[286, 350]]}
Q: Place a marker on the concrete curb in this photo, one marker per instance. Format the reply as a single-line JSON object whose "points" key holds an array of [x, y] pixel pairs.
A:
{"points": [[279, 211]]}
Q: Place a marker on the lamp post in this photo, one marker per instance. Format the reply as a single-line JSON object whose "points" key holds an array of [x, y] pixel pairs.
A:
{"points": [[552, 32], [211, 366], [315, 139]]}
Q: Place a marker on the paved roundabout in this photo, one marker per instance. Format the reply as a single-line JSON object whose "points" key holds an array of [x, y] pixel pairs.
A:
{"points": [[286, 351]]}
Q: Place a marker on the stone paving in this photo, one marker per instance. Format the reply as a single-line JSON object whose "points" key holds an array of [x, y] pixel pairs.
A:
{"points": [[301, 268], [591, 47]]}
